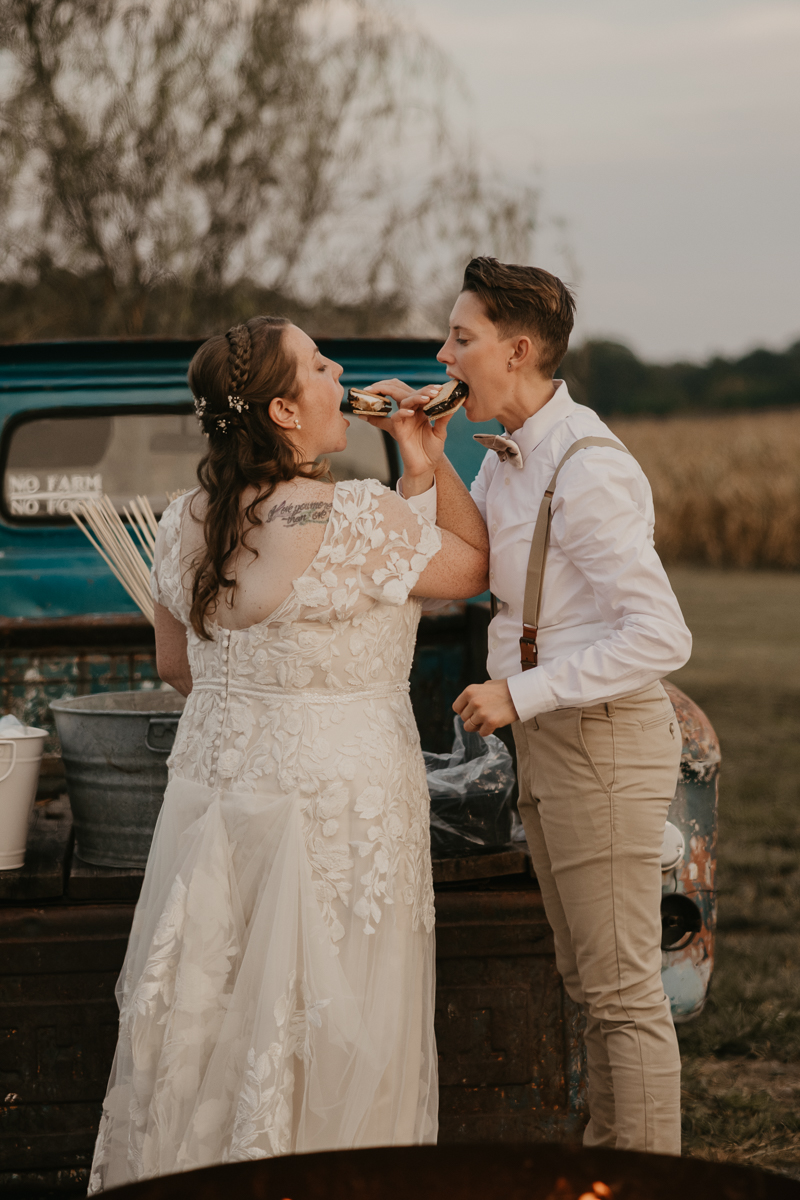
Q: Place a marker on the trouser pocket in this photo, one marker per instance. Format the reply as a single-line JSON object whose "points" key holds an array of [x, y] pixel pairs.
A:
{"points": [[595, 732]]}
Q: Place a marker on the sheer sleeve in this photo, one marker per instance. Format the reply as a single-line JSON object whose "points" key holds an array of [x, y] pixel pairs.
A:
{"points": [[165, 576], [378, 545]]}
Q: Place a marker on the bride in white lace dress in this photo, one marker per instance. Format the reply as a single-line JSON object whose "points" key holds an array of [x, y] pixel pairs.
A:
{"points": [[278, 991]]}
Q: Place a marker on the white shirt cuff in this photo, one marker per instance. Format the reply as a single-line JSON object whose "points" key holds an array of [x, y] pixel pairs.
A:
{"points": [[424, 503], [531, 693]]}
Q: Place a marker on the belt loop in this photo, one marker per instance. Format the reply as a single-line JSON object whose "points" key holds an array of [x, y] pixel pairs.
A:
{"points": [[534, 724], [610, 709]]}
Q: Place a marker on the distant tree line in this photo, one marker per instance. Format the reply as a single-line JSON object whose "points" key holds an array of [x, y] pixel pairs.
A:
{"points": [[612, 380]]}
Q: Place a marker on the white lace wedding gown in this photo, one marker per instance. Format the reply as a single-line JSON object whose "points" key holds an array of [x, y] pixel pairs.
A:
{"points": [[278, 991]]}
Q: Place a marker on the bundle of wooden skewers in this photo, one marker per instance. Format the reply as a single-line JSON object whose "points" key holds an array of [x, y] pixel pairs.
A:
{"points": [[129, 559]]}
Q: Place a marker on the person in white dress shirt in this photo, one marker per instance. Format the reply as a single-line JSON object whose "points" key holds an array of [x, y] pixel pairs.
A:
{"points": [[598, 745]]}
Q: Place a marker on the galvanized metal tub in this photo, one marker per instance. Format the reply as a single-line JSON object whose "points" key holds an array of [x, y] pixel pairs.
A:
{"points": [[115, 747]]}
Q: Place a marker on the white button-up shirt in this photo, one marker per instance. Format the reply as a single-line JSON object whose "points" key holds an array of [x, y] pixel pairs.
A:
{"points": [[610, 623]]}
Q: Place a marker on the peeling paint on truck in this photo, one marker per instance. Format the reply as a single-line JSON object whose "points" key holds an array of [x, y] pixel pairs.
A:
{"points": [[688, 965]]}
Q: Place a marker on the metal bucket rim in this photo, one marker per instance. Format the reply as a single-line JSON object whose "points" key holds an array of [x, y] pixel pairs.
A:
{"points": [[77, 705]]}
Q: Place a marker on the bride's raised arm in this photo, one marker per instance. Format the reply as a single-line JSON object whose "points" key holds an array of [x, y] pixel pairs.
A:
{"points": [[401, 553], [461, 567]]}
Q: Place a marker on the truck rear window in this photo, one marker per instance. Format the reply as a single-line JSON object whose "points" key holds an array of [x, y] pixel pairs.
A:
{"points": [[52, 463]]}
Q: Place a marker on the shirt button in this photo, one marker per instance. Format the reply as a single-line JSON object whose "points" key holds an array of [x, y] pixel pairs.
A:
{"points": [[494, 643], [491, 574], [494, 526], [511, 612], [507, 481]]}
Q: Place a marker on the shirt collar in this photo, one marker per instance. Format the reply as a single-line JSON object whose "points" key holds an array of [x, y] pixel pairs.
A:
{"points": [[530, 434]]}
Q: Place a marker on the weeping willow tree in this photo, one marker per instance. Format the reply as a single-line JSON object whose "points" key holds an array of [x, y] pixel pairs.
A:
{"points": [[165, 167]]}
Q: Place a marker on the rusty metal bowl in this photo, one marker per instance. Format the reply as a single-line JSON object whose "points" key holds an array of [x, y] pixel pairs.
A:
{"points": [[538, 1172]]}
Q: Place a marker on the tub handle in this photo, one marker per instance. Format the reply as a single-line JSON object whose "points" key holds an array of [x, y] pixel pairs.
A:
{"points": [[161, 727], [13, 744]]}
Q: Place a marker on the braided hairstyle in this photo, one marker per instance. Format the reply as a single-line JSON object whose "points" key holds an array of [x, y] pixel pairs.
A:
{"points": [[241, 351], [233, 378]]}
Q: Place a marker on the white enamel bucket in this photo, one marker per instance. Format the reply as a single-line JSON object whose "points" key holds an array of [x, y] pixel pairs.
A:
{"points": [[20, 757]]}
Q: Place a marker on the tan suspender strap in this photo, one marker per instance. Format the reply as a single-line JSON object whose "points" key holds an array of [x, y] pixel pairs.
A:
{"points": [[531, 607]]}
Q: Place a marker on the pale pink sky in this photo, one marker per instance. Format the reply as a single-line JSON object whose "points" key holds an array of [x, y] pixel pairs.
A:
{"points": [[667, 136]]}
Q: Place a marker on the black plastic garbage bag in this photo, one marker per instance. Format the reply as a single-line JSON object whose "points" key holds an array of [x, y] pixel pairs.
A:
{"points": [[471, 791]]}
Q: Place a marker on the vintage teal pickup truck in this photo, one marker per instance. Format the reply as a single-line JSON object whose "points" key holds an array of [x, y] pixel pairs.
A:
{"points": [[80, 418]]}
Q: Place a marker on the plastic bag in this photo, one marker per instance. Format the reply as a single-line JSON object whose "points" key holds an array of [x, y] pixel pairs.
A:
{"points": [[471, 791]]}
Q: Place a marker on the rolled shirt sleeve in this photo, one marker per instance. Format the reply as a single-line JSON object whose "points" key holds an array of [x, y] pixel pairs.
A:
{"points": [[601, 522], [424, 503]]}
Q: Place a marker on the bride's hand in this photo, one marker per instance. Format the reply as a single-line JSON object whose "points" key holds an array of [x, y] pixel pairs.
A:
{"points": [[421, 444]]}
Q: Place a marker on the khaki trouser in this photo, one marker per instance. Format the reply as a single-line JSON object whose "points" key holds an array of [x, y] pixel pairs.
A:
{"points": [[595, 786]]}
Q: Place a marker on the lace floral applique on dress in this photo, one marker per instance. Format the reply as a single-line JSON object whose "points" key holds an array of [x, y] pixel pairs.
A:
{"points": [[265, 1100], [166, 576]]}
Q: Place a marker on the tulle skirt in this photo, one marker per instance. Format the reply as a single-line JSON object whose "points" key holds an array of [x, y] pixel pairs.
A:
{"points": [[244, 1031]]}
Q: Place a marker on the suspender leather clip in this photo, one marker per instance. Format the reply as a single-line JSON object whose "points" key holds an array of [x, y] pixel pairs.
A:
{"points": [[528, 650]]}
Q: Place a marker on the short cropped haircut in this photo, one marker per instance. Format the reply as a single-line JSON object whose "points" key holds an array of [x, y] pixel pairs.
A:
{"points": [[525, 300]]}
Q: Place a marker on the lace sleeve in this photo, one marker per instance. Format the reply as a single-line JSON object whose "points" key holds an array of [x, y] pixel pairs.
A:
{"points": [[378, 539], [165, 576]]}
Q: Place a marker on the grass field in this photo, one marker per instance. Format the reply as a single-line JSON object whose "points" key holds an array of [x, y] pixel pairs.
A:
{"points": [[726, 488], [742, 1055]]}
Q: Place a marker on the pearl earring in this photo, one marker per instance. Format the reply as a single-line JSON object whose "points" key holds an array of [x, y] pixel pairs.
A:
{"points": [[297, 425], [508, 365]]}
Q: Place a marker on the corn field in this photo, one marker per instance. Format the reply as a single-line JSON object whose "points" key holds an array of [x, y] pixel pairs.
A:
{"points": [[726, 488]]}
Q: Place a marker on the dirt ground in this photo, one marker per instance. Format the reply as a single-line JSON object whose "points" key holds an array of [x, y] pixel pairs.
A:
{"points": [[742, 1055]]}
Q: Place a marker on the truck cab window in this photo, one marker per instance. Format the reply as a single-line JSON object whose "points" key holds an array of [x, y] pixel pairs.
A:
{"points": [[53, 463]]}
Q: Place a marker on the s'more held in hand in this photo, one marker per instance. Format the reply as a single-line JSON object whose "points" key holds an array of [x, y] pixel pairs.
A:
{"points": [[367, 404], [447, 400]]}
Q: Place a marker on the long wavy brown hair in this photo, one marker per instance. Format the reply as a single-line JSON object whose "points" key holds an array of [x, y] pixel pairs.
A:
{"points": [[233, 378]]}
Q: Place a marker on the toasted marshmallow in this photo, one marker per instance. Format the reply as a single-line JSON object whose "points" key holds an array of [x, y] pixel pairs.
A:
{"points": [[368, 404]]}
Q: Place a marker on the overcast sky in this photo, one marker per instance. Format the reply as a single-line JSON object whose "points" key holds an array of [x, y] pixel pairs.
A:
{"points": [[667, 136]]}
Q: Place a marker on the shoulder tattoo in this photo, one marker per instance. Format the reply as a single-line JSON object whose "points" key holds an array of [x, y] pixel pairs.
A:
{"points": [[315, 512]]}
